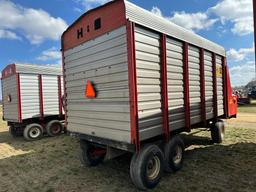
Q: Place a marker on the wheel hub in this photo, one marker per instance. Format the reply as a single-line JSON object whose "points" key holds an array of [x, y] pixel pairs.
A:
{"points": [[153, 168], [55, 129], [178, 155], [34, 132]]}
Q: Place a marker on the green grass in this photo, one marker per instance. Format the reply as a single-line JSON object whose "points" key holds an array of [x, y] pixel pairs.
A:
{"points": [[250, 108], [52, 164]]}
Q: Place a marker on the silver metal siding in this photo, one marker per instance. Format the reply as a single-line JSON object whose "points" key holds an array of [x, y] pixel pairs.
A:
{"points": [[219, 76], [50, 94], [29, 91], [174, 52], [10, 109], [146, 18], [62, 92], [208, 84], [194, 84], [147, 45], [103, 61]]}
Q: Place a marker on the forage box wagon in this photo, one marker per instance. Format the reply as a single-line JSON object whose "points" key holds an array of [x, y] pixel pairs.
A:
{"points": [[32, 100], [133, 81]]}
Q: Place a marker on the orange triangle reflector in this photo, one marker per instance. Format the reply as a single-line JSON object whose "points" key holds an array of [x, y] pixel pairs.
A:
{"points": [[89, 91]]}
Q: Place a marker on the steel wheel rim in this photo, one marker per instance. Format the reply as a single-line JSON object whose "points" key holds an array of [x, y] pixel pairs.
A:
{"points": [[55, 128], [178, 155], [34, 132], [153, 168]]}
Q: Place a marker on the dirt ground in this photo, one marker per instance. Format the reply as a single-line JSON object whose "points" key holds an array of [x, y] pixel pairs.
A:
{"points": [[52, 164]]}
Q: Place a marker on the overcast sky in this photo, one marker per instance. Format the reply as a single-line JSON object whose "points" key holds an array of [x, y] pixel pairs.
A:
{"points": [[30, 30]]}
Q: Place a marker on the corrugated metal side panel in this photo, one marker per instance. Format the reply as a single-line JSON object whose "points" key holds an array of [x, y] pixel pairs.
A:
{"points": [[147, 45], [146, 18], [219, 75], [208, 85], [62, 94], [29, 92], [50, 95], [194, 84], [10, 111], [103, 61], [175, 84]]}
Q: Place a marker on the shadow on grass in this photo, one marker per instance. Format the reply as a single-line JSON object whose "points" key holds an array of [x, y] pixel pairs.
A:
{"points": [[208, 168]]}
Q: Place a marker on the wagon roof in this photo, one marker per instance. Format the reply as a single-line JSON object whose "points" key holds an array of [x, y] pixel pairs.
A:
{"points": [[147, 19], [30, 69], [38, 69]]}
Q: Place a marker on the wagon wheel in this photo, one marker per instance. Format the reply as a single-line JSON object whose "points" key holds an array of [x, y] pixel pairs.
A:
{"points": [[33, 132], [91, 155], [146, 167], [174, 153], [54, 128], [218, 131]]}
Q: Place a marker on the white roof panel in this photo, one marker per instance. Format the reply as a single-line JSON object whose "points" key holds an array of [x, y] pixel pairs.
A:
{"points": [[147, 19], [38, 69]]}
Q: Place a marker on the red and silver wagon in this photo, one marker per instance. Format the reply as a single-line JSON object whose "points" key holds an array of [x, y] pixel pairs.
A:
{"points": [[134, 81], [32, 100]]}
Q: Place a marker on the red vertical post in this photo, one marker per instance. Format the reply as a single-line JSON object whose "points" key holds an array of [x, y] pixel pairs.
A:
{"points": [[202, 86], [224, 80], [135, 134], [60, 95], [64, 84], [186, 85], [164, 86], [19, 97], [215, 92], [254, 16], [41, 96], [2, 88]]}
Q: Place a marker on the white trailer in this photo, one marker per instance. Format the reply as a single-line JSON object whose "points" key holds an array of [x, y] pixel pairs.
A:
{"points": [[32, 100], [134, 81]]}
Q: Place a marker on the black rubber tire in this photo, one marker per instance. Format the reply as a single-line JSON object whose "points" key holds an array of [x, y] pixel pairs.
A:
{"points": [[54, 128], [140, 164], [170, 152], [15, 131], [86, 157], [218, 131], [132, 167], [28, 132]]}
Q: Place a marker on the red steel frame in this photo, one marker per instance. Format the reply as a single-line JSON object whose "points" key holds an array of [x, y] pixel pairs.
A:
{"points": [[202, 85], [164, 94], [64, 83], [41, 96], [60, 95], [135, 135], [215, 93], [254, 18], [19, 97], [186, 86], [224, 80]]}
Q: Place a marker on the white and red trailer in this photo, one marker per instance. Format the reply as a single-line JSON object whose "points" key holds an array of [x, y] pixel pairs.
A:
{"points": [[32, 100], [133, 81]]}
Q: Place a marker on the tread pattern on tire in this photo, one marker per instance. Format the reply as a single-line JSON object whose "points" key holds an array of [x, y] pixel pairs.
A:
{"points": [[176, 140], [216, 131], [138, 162]]}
